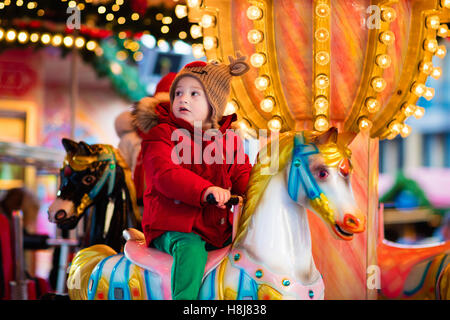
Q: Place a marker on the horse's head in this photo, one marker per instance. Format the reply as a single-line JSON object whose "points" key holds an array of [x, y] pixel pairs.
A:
{"points": [[319, 179], [87, 172]]}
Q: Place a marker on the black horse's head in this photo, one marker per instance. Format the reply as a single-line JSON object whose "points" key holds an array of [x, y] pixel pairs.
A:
{"points": [[88, 172]]}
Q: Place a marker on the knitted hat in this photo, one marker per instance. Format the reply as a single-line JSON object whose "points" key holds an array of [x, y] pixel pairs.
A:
{"points": [[215, 78]]}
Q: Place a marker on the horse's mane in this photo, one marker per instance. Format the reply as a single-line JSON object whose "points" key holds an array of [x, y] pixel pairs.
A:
{"points": [[259, 179]]}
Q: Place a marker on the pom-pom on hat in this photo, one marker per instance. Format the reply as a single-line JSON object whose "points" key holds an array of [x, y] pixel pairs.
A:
{"points": [[215, 78]]}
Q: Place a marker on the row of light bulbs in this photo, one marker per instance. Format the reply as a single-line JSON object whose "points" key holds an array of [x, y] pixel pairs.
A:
{"points": [[48, 39]]}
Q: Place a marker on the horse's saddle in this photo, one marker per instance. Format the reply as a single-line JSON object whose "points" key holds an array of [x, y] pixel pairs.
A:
{"points": [[160, 262]]}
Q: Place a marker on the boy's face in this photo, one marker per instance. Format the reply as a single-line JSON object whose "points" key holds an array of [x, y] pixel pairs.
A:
{"points": [[190, 103]]}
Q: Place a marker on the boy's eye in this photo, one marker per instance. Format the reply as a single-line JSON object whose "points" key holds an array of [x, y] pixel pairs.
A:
{"points": [[178, 93], [195, 93]]}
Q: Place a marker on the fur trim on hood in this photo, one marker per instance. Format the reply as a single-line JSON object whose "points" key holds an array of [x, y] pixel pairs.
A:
{"points": [[147, 111]]}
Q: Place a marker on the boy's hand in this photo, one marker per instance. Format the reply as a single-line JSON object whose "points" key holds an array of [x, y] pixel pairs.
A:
{"points": [[221, 195]]}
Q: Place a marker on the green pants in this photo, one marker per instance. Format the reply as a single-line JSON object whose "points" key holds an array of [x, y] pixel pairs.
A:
{"points": [[189, 261]]}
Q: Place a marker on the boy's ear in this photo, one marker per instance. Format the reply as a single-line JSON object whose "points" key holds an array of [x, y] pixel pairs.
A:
{"points": [[238, 66]]}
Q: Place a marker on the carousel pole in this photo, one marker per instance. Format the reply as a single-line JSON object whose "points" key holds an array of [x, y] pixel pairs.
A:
{"points": [[19, 287]]}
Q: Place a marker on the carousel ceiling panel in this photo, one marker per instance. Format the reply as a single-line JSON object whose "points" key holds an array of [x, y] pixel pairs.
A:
{"points": [[357, 65]]}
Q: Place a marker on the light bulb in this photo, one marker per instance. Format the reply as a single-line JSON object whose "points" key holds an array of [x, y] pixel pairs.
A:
{"points": [[181, 11], [267, 104], [418, 89], [254, 13], [322, 34], [387, 37], [430, 45], [408, 109], [262, 83], [196, 31], [45, 38], [426, 67], [321, 123], [436, 72], [443, 31], [364, 124], [419, 112], [2, 33], [383, 61], [322, 58], [208, 21], [372, 105], [231, 107], [255, 36], [378, 84], [57, 40], [441, 51], [197, 50], [193, 3], [79, 42], [321, 105], [433, 22], [274, 124], [11, 35], [258, 59], [68, 41], [91, 45], [322, 10], [22, 37], [406, 131], [429, 93], [395, 127], [388, 14], [34, 37], [209, 42], [322, 81], [445, 4]]}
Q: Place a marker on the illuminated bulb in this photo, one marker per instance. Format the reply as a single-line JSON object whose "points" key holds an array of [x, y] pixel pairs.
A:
{"points": [[322, 81], [208, 21], [115, 68], [254, 13], [383, 61], [10, 35], [258, 59], [181, 11], [430, 45], [262, 83], [22, 37], [267, 104], [433, 22], [209, 42], [429, 93], [193, 3], [45, 38], [419, 112], [196, 31], [197, 50], [182, 35], [68, 41], [91, 45], [364, 124], [57, 40], [137, 56], [372, 105], [34, 37], [164, 29], [101, 9], [418, 89], [79, 42], [436, 72], [121, 20], [387, 37], [2, 33], [322, 34], [441, 51], [322, 58], [445, 4], [321, 105], [166, 20], [115, 7], [378, 84], [121, 55], [159, 16], [274, 124], [72, 4], [31, 5], [110, 17], [395, 127], [244, 124], [391, 136], [406, 131], [408, 110], [426, 67], [19, 3], [254, 36], [322, 10], [230, 108], [388, 14], [443, 31], [321, 123], [135, 16]]}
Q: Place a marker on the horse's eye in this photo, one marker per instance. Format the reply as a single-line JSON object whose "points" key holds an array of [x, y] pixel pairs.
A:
{"points": [[88, 180], [322, 174]]}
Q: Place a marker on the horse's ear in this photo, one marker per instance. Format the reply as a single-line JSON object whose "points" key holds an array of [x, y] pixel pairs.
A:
{"points": [[69, 145], [346, 138], [85, 148], [330, 136]]}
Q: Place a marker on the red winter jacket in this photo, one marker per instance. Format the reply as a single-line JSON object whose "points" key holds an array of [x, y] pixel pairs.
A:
{"points": [[173, 202]]}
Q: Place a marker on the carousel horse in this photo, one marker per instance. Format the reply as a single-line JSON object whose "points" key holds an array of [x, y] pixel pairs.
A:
{"points": [[270, 257], [95, 179]]}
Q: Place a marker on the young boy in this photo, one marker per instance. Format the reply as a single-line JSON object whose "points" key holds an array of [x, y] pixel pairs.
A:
{"points": [[176, 218]]}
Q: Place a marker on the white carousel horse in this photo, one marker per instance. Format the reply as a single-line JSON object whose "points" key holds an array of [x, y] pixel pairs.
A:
{"points": [[270, 257]]}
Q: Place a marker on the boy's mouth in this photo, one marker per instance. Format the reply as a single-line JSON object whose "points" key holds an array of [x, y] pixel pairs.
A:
{"points": [[183, 109]]}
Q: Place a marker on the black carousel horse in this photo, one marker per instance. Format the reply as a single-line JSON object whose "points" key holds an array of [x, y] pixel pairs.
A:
{"points": [[95, 181]]}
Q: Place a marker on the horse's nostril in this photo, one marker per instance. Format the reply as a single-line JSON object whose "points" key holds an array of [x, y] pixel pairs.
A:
{"points": [[61, 214]]}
